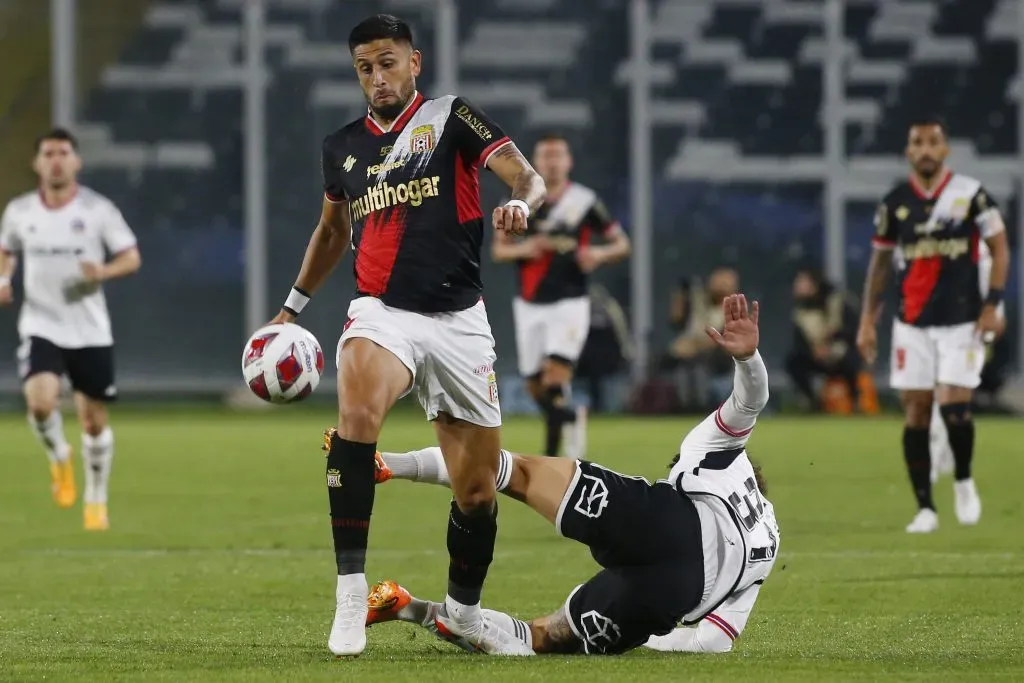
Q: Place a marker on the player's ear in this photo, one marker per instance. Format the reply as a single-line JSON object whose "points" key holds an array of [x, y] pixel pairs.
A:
{"points": [[416, 62], [76, 162]]}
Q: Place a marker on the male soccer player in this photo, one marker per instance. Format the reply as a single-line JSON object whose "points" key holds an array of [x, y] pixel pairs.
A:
{"points": [[64, 233], [552, 311], [693, 549], [941, 225], [401, 186]]}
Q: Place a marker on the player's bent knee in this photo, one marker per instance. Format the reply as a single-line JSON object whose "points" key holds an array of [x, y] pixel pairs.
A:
{"points": [[94, 419], [476, 499], [360, 423], [40, 411]]}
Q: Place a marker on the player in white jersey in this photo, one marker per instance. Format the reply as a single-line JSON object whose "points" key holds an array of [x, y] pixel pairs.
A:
{"points": [[64, 234], [683, 559]]}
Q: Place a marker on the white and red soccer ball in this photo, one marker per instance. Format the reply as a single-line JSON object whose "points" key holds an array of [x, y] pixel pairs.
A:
{"points": [[282, 363]]}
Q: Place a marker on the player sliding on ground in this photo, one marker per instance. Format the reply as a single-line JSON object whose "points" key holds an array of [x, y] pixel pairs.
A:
{"points": [[693, 549]]}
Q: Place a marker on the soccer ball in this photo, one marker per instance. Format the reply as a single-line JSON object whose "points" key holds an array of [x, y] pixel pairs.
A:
{"points": [[282, 363]]}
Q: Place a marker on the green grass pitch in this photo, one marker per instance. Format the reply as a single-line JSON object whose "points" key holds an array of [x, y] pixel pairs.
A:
{"points": [[218, 564]]}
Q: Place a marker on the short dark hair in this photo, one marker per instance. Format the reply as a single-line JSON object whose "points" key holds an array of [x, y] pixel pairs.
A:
{"points": [[57, 134], [929, 120], [551, 136], [379, 27]]}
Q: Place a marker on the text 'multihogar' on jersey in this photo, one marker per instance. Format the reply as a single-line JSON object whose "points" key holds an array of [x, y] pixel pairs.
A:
{"points": [[569, 223], [938, 237], [414, 196]]}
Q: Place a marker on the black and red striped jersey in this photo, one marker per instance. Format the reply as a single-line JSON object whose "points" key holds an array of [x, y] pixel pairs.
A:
{"points": [[413, 193], [569, 222], [939, 240]]}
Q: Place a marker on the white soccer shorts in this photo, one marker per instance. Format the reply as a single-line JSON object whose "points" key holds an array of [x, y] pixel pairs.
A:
{"points": [[450, 355], [552, 329], [925, 357]]}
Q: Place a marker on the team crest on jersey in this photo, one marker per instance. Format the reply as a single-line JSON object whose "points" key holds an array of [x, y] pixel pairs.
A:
{"points": [[492, 387], [77, 226], [902, 213], [422, 139], [961, 206], [333, 478]]}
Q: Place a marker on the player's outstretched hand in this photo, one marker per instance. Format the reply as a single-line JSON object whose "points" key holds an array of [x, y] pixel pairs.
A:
{"points": [[511, 219], [739, 336]]}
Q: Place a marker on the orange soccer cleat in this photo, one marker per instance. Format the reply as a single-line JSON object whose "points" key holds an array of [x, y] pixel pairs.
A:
{"points": [[62, 482], [386, 599], [381, 472]]}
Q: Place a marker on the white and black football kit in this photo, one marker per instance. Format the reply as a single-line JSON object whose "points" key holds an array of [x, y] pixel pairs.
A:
{"points": [[692, 550], [63, 323]]}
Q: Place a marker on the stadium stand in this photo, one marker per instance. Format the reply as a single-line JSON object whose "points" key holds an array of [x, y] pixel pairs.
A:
{"points": [[737, 110]]}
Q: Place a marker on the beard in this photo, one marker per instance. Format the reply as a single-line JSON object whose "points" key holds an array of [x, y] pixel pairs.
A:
{"points": [[390, 112], [927, 168]]}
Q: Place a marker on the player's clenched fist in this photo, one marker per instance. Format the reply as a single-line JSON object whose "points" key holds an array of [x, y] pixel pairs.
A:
{"points": [[511, 218]]}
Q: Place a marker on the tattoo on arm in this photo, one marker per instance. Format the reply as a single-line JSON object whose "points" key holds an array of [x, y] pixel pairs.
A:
{"points": [[528, 186], [877, 278], [552, 634]]}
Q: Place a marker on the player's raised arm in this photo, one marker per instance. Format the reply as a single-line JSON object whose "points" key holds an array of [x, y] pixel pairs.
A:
{"points": [[740, 337], [330, 240]]}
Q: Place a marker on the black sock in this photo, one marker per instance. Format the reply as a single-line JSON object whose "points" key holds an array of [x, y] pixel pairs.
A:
{"points": [[556, 414], [350, 490], [470, 551], [960, 425], [919, 464]]}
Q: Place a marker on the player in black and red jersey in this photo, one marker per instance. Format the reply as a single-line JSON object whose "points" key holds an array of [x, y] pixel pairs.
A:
{"points": [[401, 186], [942, 226], [552, 311]]}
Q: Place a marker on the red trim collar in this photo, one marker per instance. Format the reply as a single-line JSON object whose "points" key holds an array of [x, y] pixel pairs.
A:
{"points": [[397, 124], [936, 190], [55, 207]]}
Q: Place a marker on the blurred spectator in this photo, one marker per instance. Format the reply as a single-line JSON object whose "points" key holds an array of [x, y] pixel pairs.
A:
{"points": [[824, 339], [703, 372], [608, 345]]}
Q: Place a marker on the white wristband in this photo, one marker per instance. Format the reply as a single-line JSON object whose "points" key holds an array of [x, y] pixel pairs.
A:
{"points": [[296, 301], [521, 204]]}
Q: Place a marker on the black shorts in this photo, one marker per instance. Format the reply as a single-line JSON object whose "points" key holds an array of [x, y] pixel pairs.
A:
{"points": [[648, 539], [90, 369]]}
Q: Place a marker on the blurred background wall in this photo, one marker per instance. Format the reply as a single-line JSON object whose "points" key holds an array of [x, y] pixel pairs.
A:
{"points": [[756, 135]]}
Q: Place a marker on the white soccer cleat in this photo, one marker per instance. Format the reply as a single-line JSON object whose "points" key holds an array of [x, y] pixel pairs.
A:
{"points": [[925, 522], [574, 435], [481, 634], [348, 632], [968, 504]]}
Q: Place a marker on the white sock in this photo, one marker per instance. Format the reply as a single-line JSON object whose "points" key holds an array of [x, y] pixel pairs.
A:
{"points": [[50, 433], [97, 458], [352, 583], [509, 624], [460, 612], [427, 465]]}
